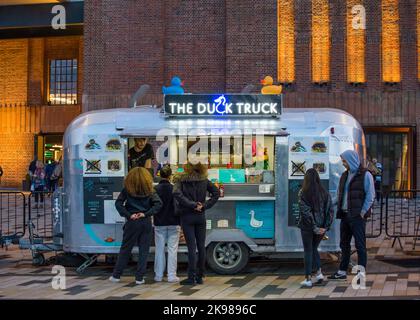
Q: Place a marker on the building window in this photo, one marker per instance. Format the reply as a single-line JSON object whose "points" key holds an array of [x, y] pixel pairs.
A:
{"points": [[286, 41], [356, 42], [63, 82], [320, 41], [390, 42]]}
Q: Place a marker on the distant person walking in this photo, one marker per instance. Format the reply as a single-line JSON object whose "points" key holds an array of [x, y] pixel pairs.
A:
{"points": [[137, 202], [38, 184], [167, 229], [356, 194], [1, 173], [378, 178], [190, 191], [315, 219]]}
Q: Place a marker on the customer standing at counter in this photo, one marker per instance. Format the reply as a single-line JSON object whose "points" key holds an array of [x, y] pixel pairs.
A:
{"points": [[141, 155], [316, 217], [167, 228], [190, 192], [137, 202], [356, 194]]}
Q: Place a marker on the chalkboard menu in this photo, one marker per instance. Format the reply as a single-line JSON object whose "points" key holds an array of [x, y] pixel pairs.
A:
{"points": [[294, 187], [96, 190]]}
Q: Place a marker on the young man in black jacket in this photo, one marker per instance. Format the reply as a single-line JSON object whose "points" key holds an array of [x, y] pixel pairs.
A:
{"points": [[190, 192], [167, 229]]}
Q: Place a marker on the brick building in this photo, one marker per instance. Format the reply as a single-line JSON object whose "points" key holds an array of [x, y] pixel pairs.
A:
{"points": [[361, 56]]}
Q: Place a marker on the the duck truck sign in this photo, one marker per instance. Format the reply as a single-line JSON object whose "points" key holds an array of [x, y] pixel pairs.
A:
{"points": [[223, 105]]}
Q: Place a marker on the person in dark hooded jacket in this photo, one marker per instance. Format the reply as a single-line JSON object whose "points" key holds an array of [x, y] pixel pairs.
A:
{"points": [[356, 195], [137, 202], [316, 217], [190, 191]]}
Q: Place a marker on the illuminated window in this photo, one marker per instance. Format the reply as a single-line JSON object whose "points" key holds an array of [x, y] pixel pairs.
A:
{"points": [[320, 41], [286, 41], [390, 41], [356, 41], [63, 82]]}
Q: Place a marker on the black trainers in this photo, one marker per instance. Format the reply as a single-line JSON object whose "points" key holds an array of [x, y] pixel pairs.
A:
{"points": [[187, 282], [337, 276], [199, 280]]}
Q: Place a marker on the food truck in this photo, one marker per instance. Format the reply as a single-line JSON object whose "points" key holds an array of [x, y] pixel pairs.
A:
{"points": [[259, 152]]}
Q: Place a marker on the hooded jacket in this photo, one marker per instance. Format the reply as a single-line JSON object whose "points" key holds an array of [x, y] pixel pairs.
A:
{"points": [[166, 216], [127, 204], [192, 188], [356, 190]]}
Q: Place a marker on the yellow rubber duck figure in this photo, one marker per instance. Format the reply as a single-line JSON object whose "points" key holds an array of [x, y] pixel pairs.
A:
{"points": [[268, 87]]}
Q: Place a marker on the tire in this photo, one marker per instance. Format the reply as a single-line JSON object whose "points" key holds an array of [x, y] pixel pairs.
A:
{"points": [[227, 257], [38, 259]]}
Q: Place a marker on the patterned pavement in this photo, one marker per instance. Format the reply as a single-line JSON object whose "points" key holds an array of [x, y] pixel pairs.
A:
{"points": [[393, 274]]}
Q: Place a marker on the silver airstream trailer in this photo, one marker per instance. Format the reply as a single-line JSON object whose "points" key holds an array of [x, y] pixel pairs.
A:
{"points": [[258, 212]]}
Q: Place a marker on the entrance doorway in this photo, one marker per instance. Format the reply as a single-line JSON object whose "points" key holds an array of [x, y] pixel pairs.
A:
{"points": [[49, 147], [393, 147]]}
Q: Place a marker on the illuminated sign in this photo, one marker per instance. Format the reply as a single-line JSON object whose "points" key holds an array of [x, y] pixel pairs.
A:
{"points": [[223, 105]]}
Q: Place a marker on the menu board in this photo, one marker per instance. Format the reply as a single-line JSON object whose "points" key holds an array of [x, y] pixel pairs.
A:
{"points": [[304, 153], [96, 191], [103, 155], [308, 152], [294, 187]]}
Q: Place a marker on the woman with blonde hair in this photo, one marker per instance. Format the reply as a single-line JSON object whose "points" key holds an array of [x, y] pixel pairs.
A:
{"points": [[38, 184], [137, 202], [190, 191]]}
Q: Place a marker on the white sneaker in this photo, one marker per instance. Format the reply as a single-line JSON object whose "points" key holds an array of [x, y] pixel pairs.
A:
{"points": [[306, 283], [158, 279], [319, 277], [115, 280], [173, 279], [140, 281]]}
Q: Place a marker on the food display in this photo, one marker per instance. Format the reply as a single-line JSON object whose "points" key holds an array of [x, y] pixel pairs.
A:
{"points": [[114, 165], [113, 144], [298, 147], [92, 145], [319, 147], [320, 167]]}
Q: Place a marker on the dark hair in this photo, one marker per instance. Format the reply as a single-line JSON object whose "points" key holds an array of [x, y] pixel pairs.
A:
{"points": [[165, 172], [312, 190]]}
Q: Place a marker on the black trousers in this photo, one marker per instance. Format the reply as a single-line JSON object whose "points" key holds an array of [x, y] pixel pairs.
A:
{"points": [[311, 243], [194, 227], [136, 232], [353, 227]]}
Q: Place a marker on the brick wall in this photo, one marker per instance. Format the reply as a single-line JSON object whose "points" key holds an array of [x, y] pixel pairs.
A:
{"points": [[16, 152]]}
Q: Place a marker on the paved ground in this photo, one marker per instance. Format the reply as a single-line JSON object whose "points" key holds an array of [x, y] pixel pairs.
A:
{"points": [[392, 275]]}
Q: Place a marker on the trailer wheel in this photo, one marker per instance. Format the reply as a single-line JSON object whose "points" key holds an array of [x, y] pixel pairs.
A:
{"points": [[227, 257], [38, 259]]}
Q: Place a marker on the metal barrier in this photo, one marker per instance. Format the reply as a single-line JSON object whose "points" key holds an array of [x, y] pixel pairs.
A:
{"points": [[40, 214], [403, 215], [12, 216], [374, 223]]}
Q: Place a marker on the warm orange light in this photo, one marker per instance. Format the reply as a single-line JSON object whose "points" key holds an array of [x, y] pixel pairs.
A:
{"points": [[285, 41], [390, 41], [356, 43], [320, 41]]}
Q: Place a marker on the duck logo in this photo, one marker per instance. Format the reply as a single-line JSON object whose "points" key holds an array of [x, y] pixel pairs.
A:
{"points": [[254, 223], [220, 105]]}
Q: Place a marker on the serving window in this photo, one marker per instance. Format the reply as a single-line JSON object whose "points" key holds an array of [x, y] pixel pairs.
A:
{"points": [[230, 159]]}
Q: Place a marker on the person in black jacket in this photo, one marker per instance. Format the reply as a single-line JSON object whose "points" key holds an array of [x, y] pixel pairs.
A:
{"points": [[315, 218], [167, 229], [190, 192], [137, 202]]}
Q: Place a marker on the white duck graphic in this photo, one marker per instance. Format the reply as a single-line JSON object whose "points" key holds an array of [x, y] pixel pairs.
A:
{"points": [[254, 222], [221, 101]]}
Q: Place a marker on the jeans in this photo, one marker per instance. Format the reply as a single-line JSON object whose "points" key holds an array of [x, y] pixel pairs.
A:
{"points": [[39, 194], [194, 227], [312, 259], [353, 227], [166, 235], [136, 232]]}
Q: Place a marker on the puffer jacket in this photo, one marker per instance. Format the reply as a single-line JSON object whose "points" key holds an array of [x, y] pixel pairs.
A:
{"points": [[310, 220], [192, 188], [127, 205]]}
